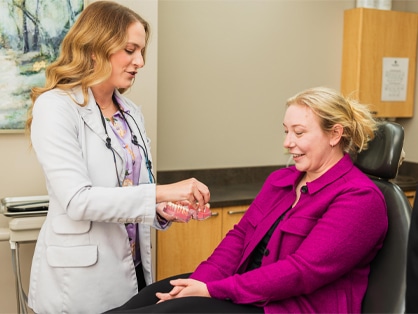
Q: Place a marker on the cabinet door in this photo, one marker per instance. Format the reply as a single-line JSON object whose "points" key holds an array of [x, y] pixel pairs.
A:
{"points": [[231, 216], [371, 35], [184, 245]]}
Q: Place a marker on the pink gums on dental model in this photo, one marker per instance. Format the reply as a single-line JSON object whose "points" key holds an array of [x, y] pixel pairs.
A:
{"points": [[185, 213]]}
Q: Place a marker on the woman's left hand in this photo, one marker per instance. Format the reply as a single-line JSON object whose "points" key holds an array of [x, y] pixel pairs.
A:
{"points": [[160, 211], [184, 288]]}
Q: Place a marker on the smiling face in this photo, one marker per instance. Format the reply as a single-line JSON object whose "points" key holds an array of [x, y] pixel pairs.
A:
{"points": [[126, 62], [313, 150]]}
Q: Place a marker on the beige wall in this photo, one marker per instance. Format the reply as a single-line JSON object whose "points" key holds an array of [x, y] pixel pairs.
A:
{"points": [[225, 68]]}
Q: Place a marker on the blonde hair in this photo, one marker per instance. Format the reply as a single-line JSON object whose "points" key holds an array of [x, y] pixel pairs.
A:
{"points": [[100, 30], [332, 108]]}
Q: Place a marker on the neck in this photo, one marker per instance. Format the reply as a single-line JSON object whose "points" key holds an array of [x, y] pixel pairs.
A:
{"points": [[108, 108], [103, 97]]}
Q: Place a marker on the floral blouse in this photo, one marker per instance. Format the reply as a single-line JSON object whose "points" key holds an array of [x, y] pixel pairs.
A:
{"points": [[133, 167]]}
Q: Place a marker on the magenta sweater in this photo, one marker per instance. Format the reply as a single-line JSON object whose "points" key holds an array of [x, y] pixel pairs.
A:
{"points": [[319, 255]]}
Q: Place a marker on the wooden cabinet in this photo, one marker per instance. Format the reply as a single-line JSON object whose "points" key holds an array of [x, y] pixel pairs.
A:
{"points": [[411, 197], [370, 36], [230, 217], [184, 245]]}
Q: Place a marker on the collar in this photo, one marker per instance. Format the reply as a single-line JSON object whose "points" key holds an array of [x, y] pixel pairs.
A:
{"points": [[337, 171], [279, 179]]}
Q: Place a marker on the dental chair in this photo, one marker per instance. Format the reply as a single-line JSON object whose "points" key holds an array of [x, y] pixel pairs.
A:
{"points": [[387, 278], [411, 298]]}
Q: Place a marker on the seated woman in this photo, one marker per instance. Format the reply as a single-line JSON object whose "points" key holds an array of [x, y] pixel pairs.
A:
{"points": [[306, 242]]}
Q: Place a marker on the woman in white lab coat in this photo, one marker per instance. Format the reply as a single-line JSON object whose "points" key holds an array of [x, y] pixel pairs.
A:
{"points": [[91, 143]]}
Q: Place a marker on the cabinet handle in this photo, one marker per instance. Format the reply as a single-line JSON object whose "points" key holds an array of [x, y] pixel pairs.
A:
{"points": [[236, 212], [214, 214]]}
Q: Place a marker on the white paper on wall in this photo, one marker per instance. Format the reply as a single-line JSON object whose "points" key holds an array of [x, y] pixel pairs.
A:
{"points": [[394, 79]]}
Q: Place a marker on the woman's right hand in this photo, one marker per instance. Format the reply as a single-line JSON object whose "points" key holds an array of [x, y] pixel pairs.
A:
{"points": [[191, 190]]}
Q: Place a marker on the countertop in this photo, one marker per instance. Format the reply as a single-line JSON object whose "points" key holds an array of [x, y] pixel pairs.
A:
{"points": [[239, 186], [228, 186], [234, 194], [405, 182]]}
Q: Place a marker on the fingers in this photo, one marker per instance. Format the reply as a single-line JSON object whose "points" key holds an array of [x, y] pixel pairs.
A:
{"points": [[196, 191], [179, 283], [191, 190], [200, 194], [176, 290], [173, 293], [163, 297], [162, 213]]}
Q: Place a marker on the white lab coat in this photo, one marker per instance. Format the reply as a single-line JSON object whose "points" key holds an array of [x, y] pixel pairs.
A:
{"points": [[82, 261]]}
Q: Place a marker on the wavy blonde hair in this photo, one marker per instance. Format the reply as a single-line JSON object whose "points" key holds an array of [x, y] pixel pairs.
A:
{"points": [[359, 125], [100, 30]]}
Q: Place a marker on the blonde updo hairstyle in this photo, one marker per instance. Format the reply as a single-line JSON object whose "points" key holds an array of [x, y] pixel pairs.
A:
{"points": [[332, 108], [100, 31]]}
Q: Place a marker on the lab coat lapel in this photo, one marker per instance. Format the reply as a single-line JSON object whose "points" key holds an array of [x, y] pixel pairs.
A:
{"points": [[91, 117]]}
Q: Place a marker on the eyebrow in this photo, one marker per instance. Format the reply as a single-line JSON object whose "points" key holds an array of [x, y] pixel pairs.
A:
{"points": [[294, 125], [134, 44]]}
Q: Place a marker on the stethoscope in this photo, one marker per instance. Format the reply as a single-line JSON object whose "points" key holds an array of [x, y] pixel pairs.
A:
{"points": [[134, 141]]}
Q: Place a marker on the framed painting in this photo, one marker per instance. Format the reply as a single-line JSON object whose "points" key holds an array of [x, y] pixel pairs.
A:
{"points": [[31, 32]]}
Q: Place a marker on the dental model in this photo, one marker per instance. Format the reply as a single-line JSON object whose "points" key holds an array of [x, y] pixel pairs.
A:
{"points": [[186, 212]]}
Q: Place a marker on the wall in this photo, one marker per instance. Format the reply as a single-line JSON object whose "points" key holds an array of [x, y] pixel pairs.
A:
{"points": [[410, 125], [21, 175], [227, 67]]}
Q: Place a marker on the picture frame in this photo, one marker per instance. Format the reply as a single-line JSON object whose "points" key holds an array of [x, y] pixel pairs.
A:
{"points": [[31, 32]]}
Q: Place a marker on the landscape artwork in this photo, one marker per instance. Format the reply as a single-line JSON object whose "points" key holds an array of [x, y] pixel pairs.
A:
{"points": [[31, 32]]}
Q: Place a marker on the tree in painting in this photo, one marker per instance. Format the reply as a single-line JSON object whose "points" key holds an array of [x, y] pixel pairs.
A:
{"points": [[31, 32]]}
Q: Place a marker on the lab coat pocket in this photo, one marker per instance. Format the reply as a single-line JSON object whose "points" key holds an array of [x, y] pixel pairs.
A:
{"points": [[64, 225], [76, 256]]}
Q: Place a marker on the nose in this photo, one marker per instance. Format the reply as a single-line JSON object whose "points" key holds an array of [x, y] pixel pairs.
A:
{"points": [[288, 141], [138, 60]]}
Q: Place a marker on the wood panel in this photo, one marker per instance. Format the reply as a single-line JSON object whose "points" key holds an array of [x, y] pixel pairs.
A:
{"points": [[369, 36], [184, 245]]}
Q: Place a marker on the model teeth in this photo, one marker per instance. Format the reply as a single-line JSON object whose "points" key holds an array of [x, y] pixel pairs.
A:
{"points": [[185, 213]]}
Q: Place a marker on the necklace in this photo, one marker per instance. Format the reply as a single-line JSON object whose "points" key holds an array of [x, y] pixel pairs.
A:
{"points": [[105, 107], [108, 104], [109, 110]]}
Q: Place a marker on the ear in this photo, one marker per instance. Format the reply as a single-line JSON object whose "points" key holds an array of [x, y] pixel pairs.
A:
{"points": [[93, 57], [336, 134]]}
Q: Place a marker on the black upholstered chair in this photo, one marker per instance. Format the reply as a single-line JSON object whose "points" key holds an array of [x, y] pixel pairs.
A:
{"points": [[387, 279], [411, 298]]}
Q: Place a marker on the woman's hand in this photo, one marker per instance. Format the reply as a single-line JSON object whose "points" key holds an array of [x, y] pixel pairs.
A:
{"points": [[184, 288], [162, 213], [190, 190]]}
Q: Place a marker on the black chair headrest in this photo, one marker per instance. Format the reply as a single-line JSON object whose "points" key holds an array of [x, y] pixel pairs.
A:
{"points": [[382, 157]]}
